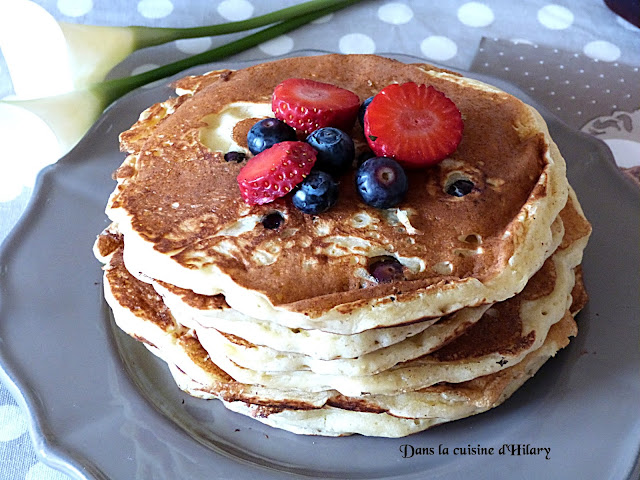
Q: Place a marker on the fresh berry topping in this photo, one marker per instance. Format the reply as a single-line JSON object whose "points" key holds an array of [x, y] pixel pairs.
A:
{"points": [[307, 105], [316, 194], [363, 109], [381, 182], [272, 221], [274, 172], [335, 150], [267, 132], [235, 157], [386, 269], [415, 124], [460, 188]]}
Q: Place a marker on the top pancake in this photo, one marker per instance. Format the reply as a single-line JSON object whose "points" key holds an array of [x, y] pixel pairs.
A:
{"points": [[179, 208]]}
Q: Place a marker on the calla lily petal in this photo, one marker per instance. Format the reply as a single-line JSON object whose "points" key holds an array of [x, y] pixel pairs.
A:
{"points": [[68, 115], [37, 68], [94, 50]]}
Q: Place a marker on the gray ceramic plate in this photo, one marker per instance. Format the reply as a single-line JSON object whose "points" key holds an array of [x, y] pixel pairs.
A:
{"points": [[101, 406]]}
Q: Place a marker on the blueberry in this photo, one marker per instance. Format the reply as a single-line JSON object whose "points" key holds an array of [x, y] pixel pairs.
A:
{"points": [[272, 221], [381, 182], [386, 269], [363, 109], [267, 132], [316, 193], [460, 188], [335, 150], [235, 157]]}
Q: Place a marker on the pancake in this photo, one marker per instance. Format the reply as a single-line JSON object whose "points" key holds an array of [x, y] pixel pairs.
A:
{"points": [[303, 412], [505, 334], [543, 302], [285, 323], [206, 309], [140, 311], [445, 403], [257, 357], [408, 342], [184, 223], [211, 314]]}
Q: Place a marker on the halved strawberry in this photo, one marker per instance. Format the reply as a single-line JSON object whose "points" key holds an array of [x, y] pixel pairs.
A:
{"points": [[416, 125], [275, 171], [307, 105]]}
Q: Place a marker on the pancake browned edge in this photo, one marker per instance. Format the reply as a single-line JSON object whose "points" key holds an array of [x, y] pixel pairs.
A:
{"points": [[139, 310], [322, 413], [345, 416], [178, 205]]}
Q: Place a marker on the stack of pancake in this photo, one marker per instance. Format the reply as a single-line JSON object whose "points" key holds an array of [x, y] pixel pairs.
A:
{"points": [[284, 321]]}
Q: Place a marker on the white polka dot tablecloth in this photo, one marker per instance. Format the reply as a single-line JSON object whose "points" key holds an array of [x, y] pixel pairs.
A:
{"points": [[578, 59]]}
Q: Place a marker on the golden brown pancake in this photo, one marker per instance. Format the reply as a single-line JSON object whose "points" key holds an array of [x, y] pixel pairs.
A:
{"points": [[500, 340], [507, 332], [212, 314], [197, 374], [345, 416], [287, 324], [178, 205]]}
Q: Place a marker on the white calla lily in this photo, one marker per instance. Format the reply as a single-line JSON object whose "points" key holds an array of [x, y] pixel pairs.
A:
{"points": [[68, 115], [93, 51]]}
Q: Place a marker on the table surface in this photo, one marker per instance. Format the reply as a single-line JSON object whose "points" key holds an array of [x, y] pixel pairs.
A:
{"points": [[578, 59]]}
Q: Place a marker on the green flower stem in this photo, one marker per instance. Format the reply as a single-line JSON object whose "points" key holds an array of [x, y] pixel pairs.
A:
{"points": [[94, 50], [111, 90], [150, 36]]}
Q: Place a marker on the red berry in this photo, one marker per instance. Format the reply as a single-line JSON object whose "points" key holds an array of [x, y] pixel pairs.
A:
{"points": [[274, 172], [307, 105], [415, 124]]}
